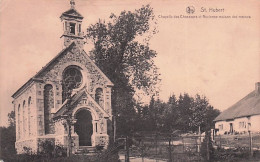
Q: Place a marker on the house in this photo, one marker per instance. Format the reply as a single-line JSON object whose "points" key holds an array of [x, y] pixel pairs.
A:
{"points": [[243, 116], [69, 98]]}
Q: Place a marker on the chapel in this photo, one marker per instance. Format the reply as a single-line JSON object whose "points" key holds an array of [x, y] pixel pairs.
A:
{"points": [[69, 99]]}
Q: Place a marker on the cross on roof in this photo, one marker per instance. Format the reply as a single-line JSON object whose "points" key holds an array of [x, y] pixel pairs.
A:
{"points": [[72, 3]]}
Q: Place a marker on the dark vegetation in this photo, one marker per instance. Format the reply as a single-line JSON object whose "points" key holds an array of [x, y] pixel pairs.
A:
{"points": [[7, 138], [121, 50], [185, 114]]}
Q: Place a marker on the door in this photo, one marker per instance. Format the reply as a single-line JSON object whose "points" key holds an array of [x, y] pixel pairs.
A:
{"points": [[83, 127]]}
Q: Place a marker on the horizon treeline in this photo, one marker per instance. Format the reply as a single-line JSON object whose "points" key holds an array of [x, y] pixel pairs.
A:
{"points": [[185, 114]]}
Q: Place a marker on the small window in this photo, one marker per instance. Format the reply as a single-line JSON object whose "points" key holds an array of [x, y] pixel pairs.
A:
{"points": [[99, 95], [66, 26], [72, 28], [242, 124], [79, 27], [220, 127]]}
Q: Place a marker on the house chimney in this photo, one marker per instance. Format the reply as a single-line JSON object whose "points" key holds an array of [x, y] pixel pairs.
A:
{"points": [[257, 88]]}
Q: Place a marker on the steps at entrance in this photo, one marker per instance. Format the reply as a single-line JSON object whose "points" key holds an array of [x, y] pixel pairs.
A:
{"points": [[86, 150]]}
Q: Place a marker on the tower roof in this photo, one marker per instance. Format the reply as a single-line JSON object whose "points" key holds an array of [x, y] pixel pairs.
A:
{"points": [[72, 12]]}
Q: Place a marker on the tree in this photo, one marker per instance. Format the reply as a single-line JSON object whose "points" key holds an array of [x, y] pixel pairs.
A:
{"points": [[11, 119], [125, 60], [211, 115], [188, 113], [185, 103], [170, 115], [199, 112], [7, 137]]}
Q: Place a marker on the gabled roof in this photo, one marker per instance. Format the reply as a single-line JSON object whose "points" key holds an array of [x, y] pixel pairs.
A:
{"points": [[34, 78], [74, 99], [248, 106], [72, 13], [98, 69], [38, 73]]}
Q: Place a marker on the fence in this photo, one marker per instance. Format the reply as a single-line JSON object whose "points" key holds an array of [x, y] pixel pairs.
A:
{"points": [[187, 148], [239, 140], [167, 148]]}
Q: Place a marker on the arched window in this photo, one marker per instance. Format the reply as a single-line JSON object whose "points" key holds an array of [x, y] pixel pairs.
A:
{"points": [[29, 115], [71, 79], [19, 121], [99, 96], [48, 105], [24, 119]]}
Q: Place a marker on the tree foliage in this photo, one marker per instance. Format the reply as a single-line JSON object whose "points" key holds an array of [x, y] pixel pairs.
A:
{"points": [[7, 137], [11, 119], [121, 50], [118, 52], [186, 114]]}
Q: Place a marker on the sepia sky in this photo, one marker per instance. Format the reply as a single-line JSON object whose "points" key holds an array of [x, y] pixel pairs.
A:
{"points": [[215, 57]]}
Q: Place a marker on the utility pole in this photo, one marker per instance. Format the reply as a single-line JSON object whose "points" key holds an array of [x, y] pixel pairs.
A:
{"points": [[199, 140], [127, 149], [114, 127], [250, 144], [170, 149], [207, 139], [250, 140]]}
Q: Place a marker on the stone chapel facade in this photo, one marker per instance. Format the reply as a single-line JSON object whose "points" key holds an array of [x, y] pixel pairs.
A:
{"points": [[69, 86]]}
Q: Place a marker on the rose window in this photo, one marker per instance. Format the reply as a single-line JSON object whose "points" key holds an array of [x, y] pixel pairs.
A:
{"points": [[72, 79]]}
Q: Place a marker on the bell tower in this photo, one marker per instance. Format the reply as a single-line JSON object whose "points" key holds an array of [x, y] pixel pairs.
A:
{"points": [[72, 29]]}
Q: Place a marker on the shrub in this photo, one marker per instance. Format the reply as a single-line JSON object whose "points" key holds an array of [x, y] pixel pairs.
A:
{"points": [[109, 155], [60, 151], [47, 148], [7, 142], [99, 148]]}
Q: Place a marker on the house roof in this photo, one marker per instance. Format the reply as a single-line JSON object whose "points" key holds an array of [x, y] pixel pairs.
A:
{"points": [[247, 106]]}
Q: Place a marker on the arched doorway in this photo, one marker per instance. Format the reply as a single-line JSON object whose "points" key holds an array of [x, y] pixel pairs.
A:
{"points": [[83, 127]]}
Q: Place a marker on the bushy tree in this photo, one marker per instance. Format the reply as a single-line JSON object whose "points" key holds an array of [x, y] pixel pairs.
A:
{"points": [[185, 103], [127, 61], [7, 138], [184, 114], [171, 114], [11, 119]]}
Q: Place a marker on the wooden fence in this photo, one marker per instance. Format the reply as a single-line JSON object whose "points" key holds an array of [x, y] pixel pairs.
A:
{"points": [[238, 141], [182, 148]]}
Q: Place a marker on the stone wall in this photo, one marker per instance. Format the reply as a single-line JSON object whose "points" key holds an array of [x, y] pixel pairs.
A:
{"points": [[26, 146], [101, 140], [25, 113]]}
